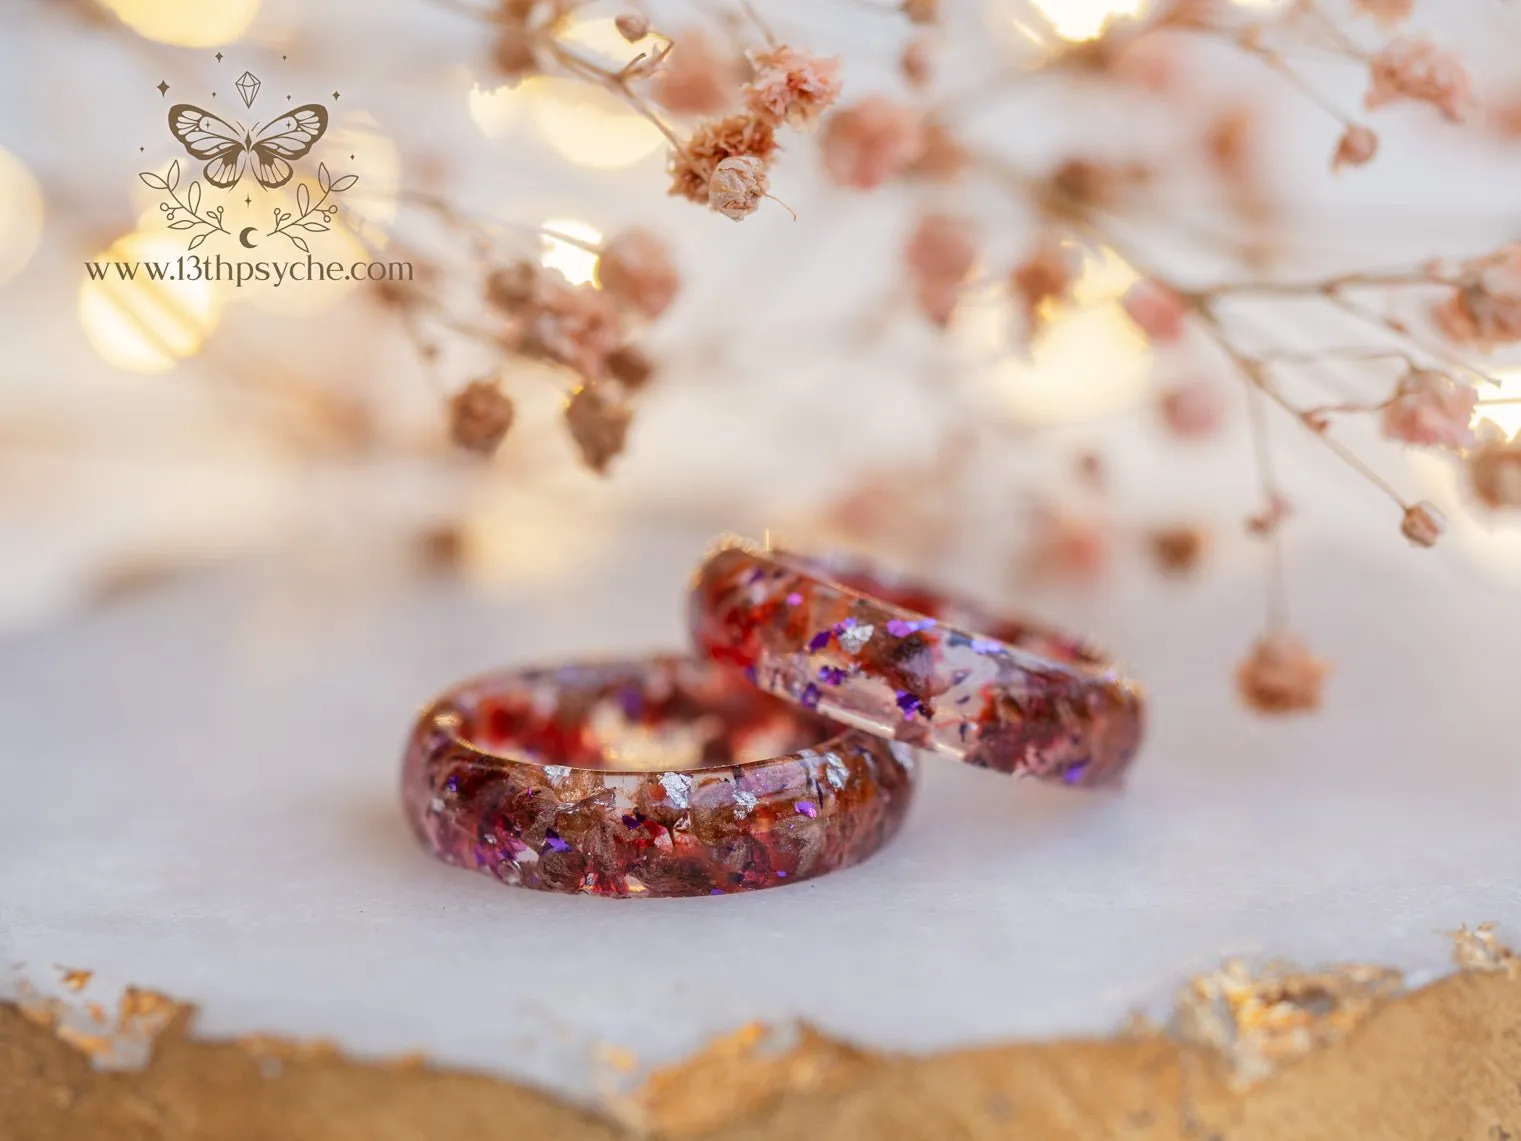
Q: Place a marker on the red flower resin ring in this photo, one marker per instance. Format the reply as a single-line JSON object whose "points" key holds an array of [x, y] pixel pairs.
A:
{"points": [[900, 660], [659, 777]]}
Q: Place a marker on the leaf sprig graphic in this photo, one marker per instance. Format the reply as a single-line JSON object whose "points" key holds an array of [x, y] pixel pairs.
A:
{"points": [[314, 217], [186, 214]]}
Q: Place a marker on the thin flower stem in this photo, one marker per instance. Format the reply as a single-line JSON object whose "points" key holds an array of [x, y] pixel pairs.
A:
{"points": [[1267, 481], [1253, 370], [760, 24], [579, 65], [1378, 320]]}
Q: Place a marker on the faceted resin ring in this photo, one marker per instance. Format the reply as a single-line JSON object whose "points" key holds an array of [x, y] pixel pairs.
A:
{"points": [[658, 777], [897, 659]]}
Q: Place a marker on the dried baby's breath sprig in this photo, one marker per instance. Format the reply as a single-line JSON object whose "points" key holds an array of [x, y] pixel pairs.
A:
{"points": [[598, 423], [1357, 146], [737, 136], [737, 186], [630, 367], [1192, 409], [480, 415], [940, 254], [1422, 525], [635, 268], [867, 143], [1177, 551], [1431, 409], [1417, 70], [791, 87], [1494, 472], [697, 79], [1280, 675], [632, 26]]}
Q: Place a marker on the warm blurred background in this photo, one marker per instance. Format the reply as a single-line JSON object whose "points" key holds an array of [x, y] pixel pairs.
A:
{"points": [[152, 429]]}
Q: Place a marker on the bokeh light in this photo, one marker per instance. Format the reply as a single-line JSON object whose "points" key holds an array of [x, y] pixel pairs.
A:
{"points": [[187, 23], [577, 264], [583, 124], [143, 325], [1079, 20], [21, 213], [1087, 361], [1505, 416], [591, 127]]}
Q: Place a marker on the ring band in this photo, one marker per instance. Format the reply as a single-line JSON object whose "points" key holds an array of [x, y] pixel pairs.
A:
{"points": [[659, 777], [897, 659]]}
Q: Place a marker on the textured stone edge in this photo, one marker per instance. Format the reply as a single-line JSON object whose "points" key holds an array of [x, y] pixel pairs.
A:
{"points": [[1442, 1061]]}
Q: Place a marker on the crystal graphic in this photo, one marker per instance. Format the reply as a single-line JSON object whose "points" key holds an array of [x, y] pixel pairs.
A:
{"points": [[248, 87]]}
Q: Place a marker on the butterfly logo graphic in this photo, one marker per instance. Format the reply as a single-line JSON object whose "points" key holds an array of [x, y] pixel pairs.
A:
{"points": [[266, 151]]}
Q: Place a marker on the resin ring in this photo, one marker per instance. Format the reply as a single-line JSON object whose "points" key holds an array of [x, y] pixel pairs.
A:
{"points": [[899, 660], [658, 777]]}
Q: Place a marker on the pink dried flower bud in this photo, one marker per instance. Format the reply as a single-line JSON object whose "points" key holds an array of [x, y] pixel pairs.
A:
{"points": [[511, 288], [636, 271], [942, 158], [940, 255], [737, 186], [791, 87], [1045, 276], [1419, 71], [1280, 675], [1494, 472], [696, 80], [1178, 550], [1193, 409], [1430, 409], [599, 426], [1270, 518], [480, 415], [922, 11], [1386, 12], [577, 326], [630, 367], [513, 52], [871, 141], [1068, 548], [1422, 525], [1156, 310], [1486, 309], [633, 26], [713, 141], [1356, 147], [917, 61]]}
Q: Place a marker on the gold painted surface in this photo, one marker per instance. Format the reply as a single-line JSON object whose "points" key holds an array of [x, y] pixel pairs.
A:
{"points": [[1439, 1062]]}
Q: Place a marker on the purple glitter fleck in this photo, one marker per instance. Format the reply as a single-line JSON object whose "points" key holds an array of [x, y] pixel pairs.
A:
{"points": [[552, 839], [751, 676], [631, 821], [820, 640], [908, 703], [1075, 773], [831, 675], [810, 696], [960, 676], [899, 628], [794, 599], [807, 808]]}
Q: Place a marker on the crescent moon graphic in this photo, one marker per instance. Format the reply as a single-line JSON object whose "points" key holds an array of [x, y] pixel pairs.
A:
{"points": [[243, 237]]}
